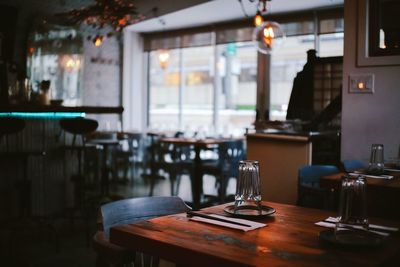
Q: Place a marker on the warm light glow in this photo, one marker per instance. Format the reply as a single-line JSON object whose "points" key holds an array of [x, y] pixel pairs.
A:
{"points": [[98, 40], [268, 36], [122, 22], [269, 32], [72, 64], [163, 57], [361, 86], [258, 19]]}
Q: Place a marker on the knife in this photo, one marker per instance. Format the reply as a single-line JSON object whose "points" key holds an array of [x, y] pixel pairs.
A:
{"points": [[208, 216], [371, 228]]}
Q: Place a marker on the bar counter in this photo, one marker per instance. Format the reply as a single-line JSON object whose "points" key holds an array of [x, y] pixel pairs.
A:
{"points": [[282, 153], [59, 108], [49, 174]]}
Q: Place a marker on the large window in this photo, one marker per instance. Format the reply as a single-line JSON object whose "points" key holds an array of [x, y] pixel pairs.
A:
{"points": [[56, 56], [211, 86]]}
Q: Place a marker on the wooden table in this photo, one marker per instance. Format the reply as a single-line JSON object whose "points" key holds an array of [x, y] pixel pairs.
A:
{"points": [[290, 239], [383, 195], [197, 179]]}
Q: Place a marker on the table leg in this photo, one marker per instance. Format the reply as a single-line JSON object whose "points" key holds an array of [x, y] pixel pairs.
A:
{"points": [[104, 173], [197, 180]]}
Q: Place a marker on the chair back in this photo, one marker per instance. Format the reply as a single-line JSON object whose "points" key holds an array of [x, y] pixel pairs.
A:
{"points": [[132, 210], [311, 174], [232, 153], [352, 165]]}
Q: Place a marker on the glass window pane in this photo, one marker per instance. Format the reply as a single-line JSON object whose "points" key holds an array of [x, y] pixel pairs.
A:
{"points": [[197, 92], [331, 25], [237, 95], [164, 91], [298, 28], [286, 61], [331, 44]]}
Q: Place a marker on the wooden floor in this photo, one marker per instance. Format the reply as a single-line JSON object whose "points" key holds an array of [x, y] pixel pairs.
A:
{"points": [[37, 247]]}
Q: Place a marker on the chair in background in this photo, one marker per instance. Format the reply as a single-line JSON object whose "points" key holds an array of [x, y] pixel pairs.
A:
{"points": [[130, 211], [174, 160], [128, 157], [310, 194], [353, 165], [230, 153]]}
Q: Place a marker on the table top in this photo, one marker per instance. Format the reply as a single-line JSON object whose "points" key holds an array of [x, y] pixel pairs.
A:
{"points": [[194, 141], [290, 239], [392, 183], [104, 141]]}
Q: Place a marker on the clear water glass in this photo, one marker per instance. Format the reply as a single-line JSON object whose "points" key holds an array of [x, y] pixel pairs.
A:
{"points": [[353, 206], [376, 162], [248, 187]]}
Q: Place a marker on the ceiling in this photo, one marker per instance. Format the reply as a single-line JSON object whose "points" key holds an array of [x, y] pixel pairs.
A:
{"points": [[175, 13], [215, 11]]}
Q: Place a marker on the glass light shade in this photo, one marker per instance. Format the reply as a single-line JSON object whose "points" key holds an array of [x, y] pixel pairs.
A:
{"points": [[268, 36]]}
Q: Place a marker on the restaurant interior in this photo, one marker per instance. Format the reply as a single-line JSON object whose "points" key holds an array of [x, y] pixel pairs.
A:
{"points": [[199, 133]]}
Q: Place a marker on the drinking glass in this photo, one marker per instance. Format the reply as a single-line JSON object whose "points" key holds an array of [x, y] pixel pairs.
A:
{"points": [[248, 187], [353, 207], [376, 163]]}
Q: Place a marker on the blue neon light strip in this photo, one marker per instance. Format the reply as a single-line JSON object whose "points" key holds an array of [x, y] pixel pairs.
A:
{"points": [[43, 115]]}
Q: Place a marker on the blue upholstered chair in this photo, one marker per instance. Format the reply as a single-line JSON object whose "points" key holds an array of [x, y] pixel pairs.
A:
{"points": [[128, 211], [310, 194], [352, 165]]}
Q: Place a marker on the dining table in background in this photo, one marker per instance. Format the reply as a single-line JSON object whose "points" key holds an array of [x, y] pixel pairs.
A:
{"points": [[198, 145], [289, 239], [383, 195]]}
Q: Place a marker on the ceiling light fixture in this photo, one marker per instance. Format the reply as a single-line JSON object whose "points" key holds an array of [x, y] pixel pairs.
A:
{"points": [[267, 34], [261, 8]]}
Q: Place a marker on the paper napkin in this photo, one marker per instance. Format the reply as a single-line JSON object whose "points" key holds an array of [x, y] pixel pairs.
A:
{"points": [[252, 225]]}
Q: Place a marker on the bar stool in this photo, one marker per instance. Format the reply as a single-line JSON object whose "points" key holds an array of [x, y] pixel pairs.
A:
{"points": [[78, 127]]}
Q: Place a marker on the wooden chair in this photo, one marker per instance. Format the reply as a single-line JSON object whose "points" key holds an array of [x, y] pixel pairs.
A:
{"points": [[230, 153], [171, 159], [310, 194], [129, 211]]}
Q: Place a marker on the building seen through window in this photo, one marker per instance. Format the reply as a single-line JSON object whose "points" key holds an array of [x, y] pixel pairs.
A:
{"points": [[211, 88]]}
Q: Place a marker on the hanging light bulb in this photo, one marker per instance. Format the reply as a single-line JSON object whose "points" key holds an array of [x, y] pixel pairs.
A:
{"points": [[98, 40], [163, 57], [258, 19], [268, 36]]}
